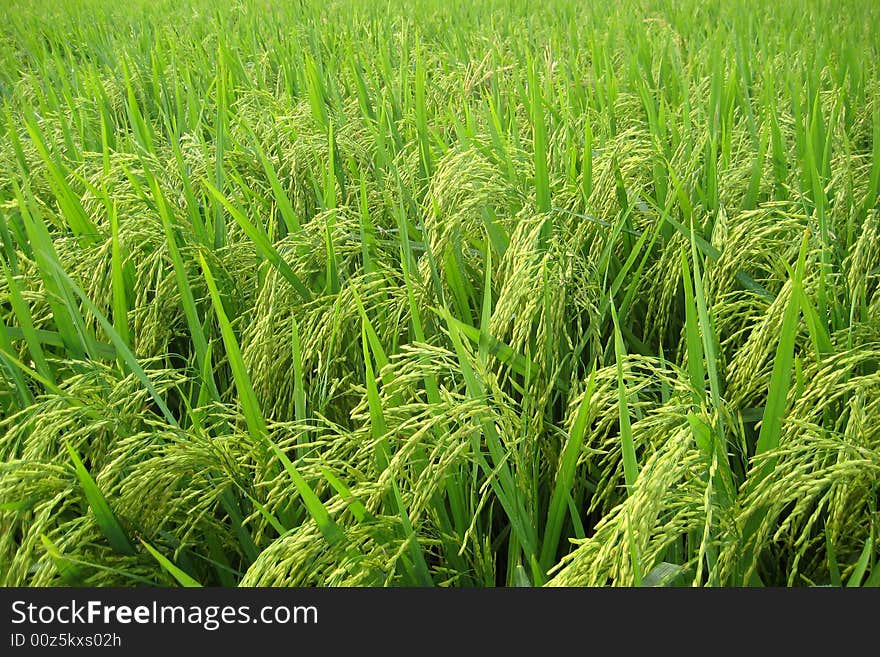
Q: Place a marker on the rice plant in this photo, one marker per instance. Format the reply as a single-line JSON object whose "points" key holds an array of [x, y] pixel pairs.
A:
{"points": [[440, 293]]}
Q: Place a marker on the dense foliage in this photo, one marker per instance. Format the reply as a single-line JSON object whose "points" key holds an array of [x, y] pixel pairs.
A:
{"points": [[439, 293]]}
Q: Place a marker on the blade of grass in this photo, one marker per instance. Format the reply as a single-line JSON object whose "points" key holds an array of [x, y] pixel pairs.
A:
{"points": [[182, 578], [104, 516]]}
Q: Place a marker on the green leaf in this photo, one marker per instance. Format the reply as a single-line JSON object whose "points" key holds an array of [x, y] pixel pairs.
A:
{"points": [[855, 578], [261, 241], [254, 415], [182, 578], [780, 379], [122, 349], [565, 477], [627, 444], [108, 523]]}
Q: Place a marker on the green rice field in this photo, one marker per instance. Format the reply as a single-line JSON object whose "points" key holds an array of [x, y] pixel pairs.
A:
{"points": [[440, 293]]}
